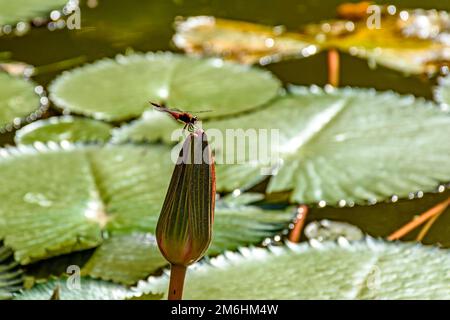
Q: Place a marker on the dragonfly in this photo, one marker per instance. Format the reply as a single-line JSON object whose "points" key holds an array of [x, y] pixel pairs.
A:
{"points": [[185, 117]]}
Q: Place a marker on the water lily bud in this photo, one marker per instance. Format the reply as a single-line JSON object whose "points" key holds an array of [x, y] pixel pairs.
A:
{"points": [[184, 229]]}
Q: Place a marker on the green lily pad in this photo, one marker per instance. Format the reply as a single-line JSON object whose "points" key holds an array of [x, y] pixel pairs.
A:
{"points": [[11, 276], [64, 128], [129, 258], [89, 289], [238, 224], [125, 259], [120, 89], [19, 102], [59, 199], [348, 146], [147, 128], [63, 198], [368, 269], [337, 146], [442, 92], [241, 199], [15, 11]]}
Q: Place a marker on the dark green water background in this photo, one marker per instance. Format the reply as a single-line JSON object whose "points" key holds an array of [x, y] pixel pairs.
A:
{"points": [[115, 26]]}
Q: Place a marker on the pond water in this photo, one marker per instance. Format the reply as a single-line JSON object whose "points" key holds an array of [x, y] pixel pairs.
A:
{"points": [[117, 26]]}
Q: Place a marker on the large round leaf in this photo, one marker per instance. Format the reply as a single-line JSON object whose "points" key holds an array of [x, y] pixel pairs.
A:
{"points": [[152, 126], [341, 146], [350, 146], [61, 199], [64, 128], [125, 259], [239, 224], [362, 270], [15, 11], [121, 88], [18, 102], [86, 289], [129, 258], [58, 200]]}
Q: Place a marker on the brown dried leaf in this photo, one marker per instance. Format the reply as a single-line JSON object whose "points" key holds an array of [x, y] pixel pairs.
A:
{"points": [[240, 41]]}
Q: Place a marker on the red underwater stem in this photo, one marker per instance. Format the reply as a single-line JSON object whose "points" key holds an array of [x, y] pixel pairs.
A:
{"points": [[333, 67], [429, 214], [177, 276], [296, 232]]}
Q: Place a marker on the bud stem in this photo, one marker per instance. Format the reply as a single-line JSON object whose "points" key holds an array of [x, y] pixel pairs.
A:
{"points": [[177, 275]]}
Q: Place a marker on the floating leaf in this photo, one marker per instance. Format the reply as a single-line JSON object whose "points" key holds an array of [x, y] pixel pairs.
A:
{"points": [[237, 198], [58, 200], [89, 289], [11, 276], [129, 258], [237, 225], [442, 92], [341, 146], [125, 259], [64, 128], [150, 127], [349, 146], [18, 102], [15, 11], [61, 199], [120, 89], [413, 41], [240, 41], [362, 270]]}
